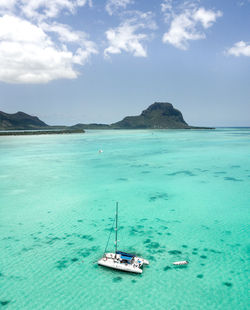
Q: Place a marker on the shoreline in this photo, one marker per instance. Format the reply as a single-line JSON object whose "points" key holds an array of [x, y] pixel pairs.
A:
{"points": [[41, 132]]}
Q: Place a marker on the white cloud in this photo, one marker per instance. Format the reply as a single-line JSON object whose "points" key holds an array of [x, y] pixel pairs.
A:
{"points": [[126, 37], [240, 48], [243, 2], [206, 17], [188, 24], [43, 9], [166, 5], [28, 54], [34, 48], [64, 32], [7, 4], [113, 5], [166, 8]]}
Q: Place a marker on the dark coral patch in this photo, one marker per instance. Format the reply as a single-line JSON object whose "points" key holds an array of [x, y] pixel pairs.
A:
{"points": [[147, 241], [203, 256], [174, 252], [85, 252], [53, 240], [133, 281], [4, 302], [136, 230], [154, 245], [79, 221], [140, 226], [61, 264], [160, 250], [117, 279], [194, 253], [164, 227], [215, 251], [74, 259], [185, 172], [228, 284], [204, 226], [232, 179], [122, 179], [87, 237], [158, 196], [26, 249], [184, 246], [167, 268], [199, 276]]}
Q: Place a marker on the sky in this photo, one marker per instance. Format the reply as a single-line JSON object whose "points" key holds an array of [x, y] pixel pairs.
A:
{"points": [[97, 61]]}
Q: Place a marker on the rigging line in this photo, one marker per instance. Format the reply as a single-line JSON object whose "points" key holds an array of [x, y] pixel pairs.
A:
{"points": [[109, 237]]}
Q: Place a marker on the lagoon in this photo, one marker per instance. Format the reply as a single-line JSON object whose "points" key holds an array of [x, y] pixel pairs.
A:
{"points": [[183, 195]]}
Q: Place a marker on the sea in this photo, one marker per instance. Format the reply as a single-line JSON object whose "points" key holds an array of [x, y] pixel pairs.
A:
{"points": [[182, 194]]}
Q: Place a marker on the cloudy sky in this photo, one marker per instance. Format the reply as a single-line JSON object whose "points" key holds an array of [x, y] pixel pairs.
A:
{"points": [[70, 61]]}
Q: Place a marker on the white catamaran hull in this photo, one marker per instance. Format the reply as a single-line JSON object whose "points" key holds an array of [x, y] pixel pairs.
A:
{"points": [[110, 263], [121, 260]]}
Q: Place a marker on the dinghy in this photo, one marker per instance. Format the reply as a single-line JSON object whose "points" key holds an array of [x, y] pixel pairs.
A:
{"points": [[180, 263], [121, 260]]}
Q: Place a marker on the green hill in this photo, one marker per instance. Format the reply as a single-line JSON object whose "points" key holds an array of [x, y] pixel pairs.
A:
{"points": [[159, 115], [20, 121]]}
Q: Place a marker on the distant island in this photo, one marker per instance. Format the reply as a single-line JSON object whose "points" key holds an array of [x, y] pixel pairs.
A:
{"points": [[23, 124], [159, 115]]}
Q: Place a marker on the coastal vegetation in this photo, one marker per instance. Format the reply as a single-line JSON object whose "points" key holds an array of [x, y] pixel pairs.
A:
{"points": [[40, 132]]}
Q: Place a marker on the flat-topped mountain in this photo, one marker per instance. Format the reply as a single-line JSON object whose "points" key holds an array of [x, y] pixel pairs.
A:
{"points": [[159, 115], [20, 121]]}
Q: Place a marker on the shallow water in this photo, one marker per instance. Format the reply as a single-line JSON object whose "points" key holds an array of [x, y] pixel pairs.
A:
{"points": [[183, 195]]}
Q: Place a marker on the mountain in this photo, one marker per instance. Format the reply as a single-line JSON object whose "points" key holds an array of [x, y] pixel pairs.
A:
{"points": [[159, 115], [20, 121]]}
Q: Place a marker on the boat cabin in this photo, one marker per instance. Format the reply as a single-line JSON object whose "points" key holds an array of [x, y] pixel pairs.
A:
{"points": [[126, 257]]}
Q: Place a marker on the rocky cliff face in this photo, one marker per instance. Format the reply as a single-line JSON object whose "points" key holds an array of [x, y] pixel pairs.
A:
{"points": [[20, 121], [159, 115]]}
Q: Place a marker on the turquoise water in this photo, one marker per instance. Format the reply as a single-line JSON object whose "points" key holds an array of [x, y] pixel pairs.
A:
{"points": [[182, 195]]}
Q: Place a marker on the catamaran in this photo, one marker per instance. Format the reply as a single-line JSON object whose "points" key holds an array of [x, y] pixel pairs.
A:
{"points": [[121, 260]]}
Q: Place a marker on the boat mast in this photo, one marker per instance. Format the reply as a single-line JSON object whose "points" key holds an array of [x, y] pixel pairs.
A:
{"points": [[116, 227]]}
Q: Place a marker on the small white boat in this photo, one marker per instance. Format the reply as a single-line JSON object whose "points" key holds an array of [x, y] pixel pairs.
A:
{"points": [[182, 262], [121, 260]]}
